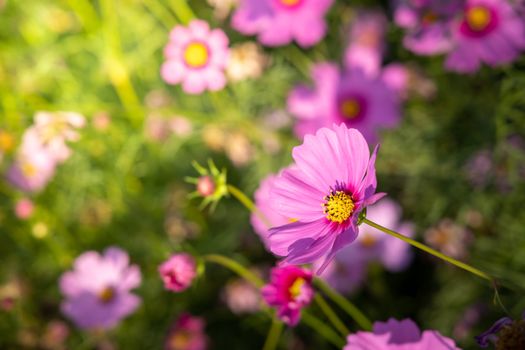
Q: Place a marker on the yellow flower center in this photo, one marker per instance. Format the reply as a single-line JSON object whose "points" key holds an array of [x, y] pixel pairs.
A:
{"points": [[28, 169], [478, 18], [106, 295], [295, 288], [338, 206], [429, 17], [350, 108], [196, 55], [6, 141], [180, 340], [290, 3], [368, 240]]}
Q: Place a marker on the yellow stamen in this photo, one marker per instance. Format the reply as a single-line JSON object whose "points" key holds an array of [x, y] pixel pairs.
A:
{"points": [[290, 2], [350, 108], [106, 295], [295, 288], [478, 18], [196, 55], [28, 169], [6, 141], [338, 206]]}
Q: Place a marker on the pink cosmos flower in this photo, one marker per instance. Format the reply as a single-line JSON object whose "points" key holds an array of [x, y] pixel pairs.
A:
{"points": [[366, 46], [290, 289], [187, 333], [427, 23], [333, 180], [397, 335], [31, 171], [347, 271], [362, 102], [196, 57], [278, 22], [178, 272], [24, 208], [97, 291], [267, 210], [490, 31]]}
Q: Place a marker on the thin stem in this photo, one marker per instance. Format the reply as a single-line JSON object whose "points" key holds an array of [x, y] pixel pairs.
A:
{"points": [[273, 334], [344, 304], [235, 267], [247, 202], [332, 316], [429, 250], [321, 328]]}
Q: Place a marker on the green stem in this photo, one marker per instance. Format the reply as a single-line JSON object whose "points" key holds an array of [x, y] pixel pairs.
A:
{"points": [[273, 334], [235, 267], [182, 10], [321, 328], [429, 250], [247, 202], [332, 316], [344, 304]]}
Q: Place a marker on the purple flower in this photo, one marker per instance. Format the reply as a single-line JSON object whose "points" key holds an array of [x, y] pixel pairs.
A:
{"points": [[196, 57], [361, 102], [31, 171], [290, 289], [178, 272], [399, 335], [348, 269], [489, 31], [278, 22], [266, 210], [187, 333], [366, 46], [427, 23], [242, 297], [332, 181], [504, 334], [97, 291]]}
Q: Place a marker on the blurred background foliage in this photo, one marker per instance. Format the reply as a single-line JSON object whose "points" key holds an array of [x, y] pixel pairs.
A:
{"points": [[124, 183]]}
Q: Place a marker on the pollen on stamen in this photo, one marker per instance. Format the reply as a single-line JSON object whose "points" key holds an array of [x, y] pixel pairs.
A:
{"points": [[338, 206]]}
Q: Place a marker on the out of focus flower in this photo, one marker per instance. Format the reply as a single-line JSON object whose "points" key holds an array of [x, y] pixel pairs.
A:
{"points": [[32, 170], [277, 119], [468, 320], [55, 335], [290, 289], [50, 132], [427, 24], [157, 99], [157, 128], [479, 168], [214, 137], [196, 57], [247, 60], [394, 335], [178, 272], [10, 293], [348, 269], [278, 22], [449, 238], [366, 45], [333, 179], [180, 125], [97, 290], [216, 180], [242, 297], [40, 230], [361, 102], [7, 143], [239, 149], [266, 211], [101, 121], [24, 208], [505, 334], [222, 8], [489, 31], [187, 333], [407, 80]]}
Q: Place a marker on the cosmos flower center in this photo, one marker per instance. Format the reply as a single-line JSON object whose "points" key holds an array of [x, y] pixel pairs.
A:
{"points": [[338, 206], [290, 3], [368, 240], [106, 295], [28, 169], [196, 54], [180, 340], [296, 287], [512, 336], [429, 17], [351, 108], [6, 141], [478, 18]]}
